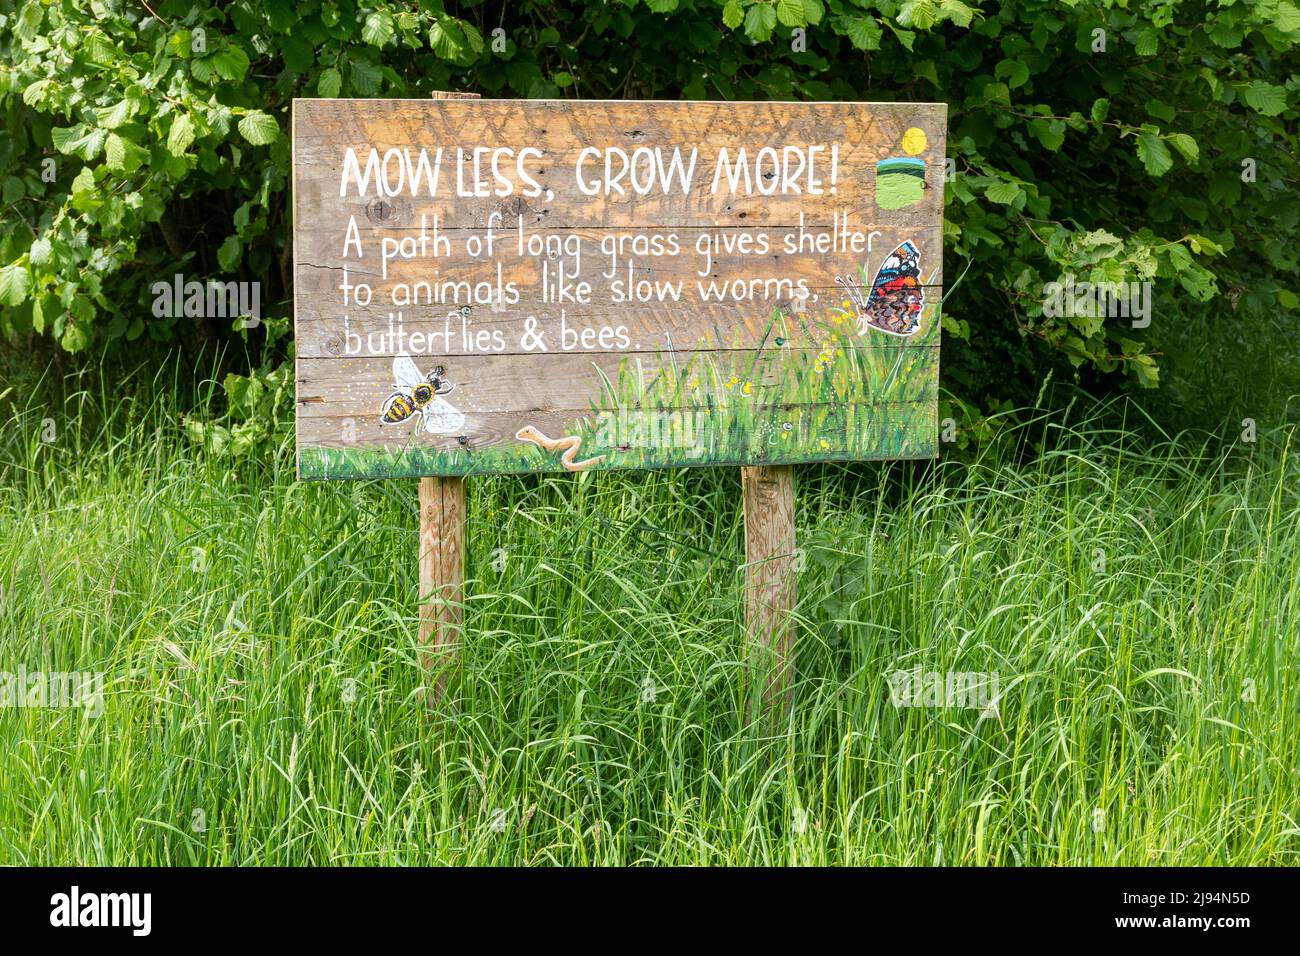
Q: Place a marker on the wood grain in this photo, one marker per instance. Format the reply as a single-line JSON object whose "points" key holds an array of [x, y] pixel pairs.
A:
{"points": [[358, 386], [770, 583], [442, 554]]}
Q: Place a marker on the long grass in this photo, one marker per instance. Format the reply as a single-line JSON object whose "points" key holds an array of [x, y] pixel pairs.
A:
{"points": [[1137, 598]]}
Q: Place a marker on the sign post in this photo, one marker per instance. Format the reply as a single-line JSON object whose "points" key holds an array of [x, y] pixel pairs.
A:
{"points": [[491, 286], [770, 582], [442, 575]]}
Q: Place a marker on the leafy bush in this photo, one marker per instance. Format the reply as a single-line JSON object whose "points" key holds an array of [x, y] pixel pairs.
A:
{"points": [[1156, 143]]}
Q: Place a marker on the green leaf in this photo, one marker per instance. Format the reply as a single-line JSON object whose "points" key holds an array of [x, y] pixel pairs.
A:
{"points": [[997, 93], [1186, 146], [181, 134], [917, 13], [230, 63], [99, 49], [1100, 110], [111, 117], [14, 284], [790, 13], [472, 37], [1013, 71], [1049, 132], [14, 190], [1225, 188], [365, 77], [1288, 17], [38, 93], [259, 128], [83, 182], [1198, 281], [1146, 370], [1266, 98], [40, 252], [178, 44], [959, 328], [1004, 193], [28, 23], [760, 21], [75, 337], [79, 140], [1153, 153], [378, 29], [1159, 110], [329, 83], [114, 151], [298, 53], [732, 14], [926, 70], [122, 155], [523, 75], [905, 37], [956, 11], [230, 254], [863, 32], [1099, 237], [202, 70], [446, 39], [1202, 245]]}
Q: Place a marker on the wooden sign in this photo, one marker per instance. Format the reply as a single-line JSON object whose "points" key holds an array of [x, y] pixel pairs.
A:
{"points": [[517, 286]]}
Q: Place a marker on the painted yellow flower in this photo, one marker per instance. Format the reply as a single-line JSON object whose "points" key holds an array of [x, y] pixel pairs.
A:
{"points": [[824, 444], [749, 388], [732, 382]]}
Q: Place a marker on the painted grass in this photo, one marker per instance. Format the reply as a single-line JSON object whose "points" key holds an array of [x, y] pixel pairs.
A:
{"points": [[1138, 599], [815, 390]]}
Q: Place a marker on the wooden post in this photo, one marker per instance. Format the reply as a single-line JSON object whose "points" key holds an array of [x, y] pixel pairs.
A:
{"points": [[442, 561], [769, 582], [442, 572]]}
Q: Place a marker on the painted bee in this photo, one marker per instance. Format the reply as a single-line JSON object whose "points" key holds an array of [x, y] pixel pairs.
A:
{"points": [[414, 393]]}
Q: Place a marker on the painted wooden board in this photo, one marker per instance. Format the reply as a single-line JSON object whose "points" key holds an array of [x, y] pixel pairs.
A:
{"points": [[510, 286]]}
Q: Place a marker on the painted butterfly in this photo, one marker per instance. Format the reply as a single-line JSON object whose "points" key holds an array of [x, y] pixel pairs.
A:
{"points": [[893, 304]]}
